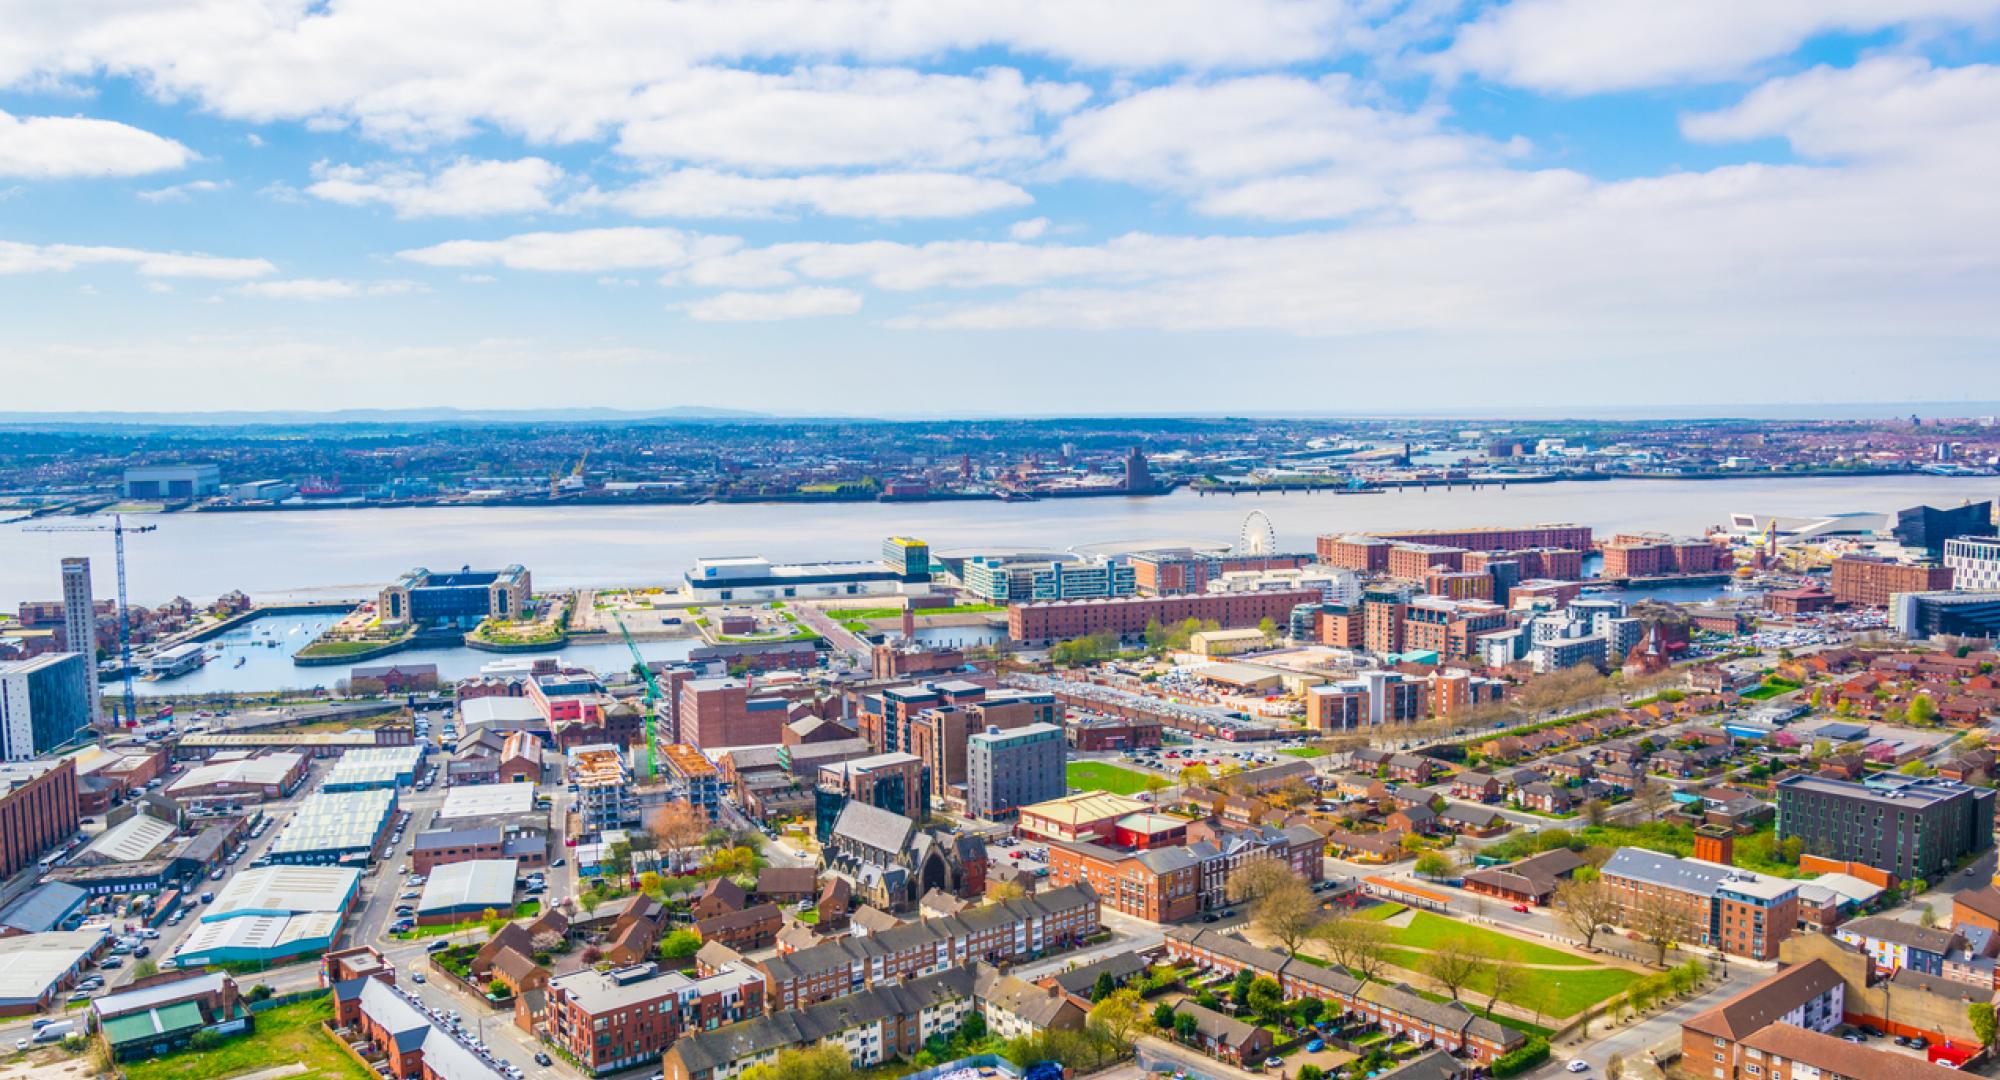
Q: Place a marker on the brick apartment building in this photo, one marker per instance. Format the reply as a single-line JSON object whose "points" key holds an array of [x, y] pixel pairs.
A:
{"points": [[1415, 562], [1561, 564], [1048, 622], [1811, 995], [610, 1020], [1572, 537], [1050, 920], [1630, 555], [884, 717], [1167, 884], [1460, 584], [38, 810], [1721, 907], [1450, 628], [1858, 579], [1179, 572], [1362, 554], [718, 713], [938, 736]]}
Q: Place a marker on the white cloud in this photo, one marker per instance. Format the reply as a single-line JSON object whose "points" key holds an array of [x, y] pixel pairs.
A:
{"points": [[800, 303], [1275, 146], [581, 251], [703, 193], [1031, 229], [465, 188], [843, 117], [181, 192], [323, 289], [1883, 108], [556, 71], [54, 147], [19, 258], [1591, 46]]}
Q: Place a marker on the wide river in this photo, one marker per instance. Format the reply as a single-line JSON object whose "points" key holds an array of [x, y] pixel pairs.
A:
{"points": [[350, 553]]}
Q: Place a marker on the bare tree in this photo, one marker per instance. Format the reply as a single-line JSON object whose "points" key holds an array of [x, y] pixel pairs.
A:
{"points": [[1659, 923], [1505, 978], [677, 827], [1359, 945], [1282, 905], [1453, 965], [1586, 905]]}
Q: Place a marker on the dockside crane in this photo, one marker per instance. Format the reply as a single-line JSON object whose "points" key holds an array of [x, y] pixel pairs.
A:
{"points": [[117, 530], [653, 694]]}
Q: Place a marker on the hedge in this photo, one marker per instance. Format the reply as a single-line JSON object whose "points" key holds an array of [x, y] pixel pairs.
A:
{"points": [[1532, 1053]]}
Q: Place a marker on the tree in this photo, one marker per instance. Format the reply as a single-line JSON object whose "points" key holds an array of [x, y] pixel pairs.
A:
{"points": [[1163, 1016], [1923, 711], [1585, 906], [677, 827], [824, 1062], [1659, 924], [1266, 998], [1282, 905], [1156, 636], [1307, 1010], [1104, 987], [1433, 865], [1155, 783], [1184, 1026], [1311, 1072], [1268, 627], [1980, 1013], [1506, 978], [680, 944], [649, 882], [1239, 989], [972, 1027], [1194, 775], [1005, 890], [144, 968], [1412, 843], [1614, 1067], [1452, 965], [1359, 945], [1119, 1015], [1595, 811]]}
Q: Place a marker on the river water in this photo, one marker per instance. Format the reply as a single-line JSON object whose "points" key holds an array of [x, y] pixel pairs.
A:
{"points": [[350, 553], [265, 646]]}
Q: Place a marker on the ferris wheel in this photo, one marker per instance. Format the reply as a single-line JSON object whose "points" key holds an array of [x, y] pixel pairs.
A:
{"points": [[1257, 537]]}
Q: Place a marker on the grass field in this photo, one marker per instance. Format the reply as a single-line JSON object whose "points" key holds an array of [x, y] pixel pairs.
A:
{"points": [[286, 1033], [1502, 1019], [1303, 751], [1428, 931], [1099, 776]]}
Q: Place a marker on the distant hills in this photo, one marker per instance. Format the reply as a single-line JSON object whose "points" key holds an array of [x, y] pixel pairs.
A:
{"points": [[438, 415]]}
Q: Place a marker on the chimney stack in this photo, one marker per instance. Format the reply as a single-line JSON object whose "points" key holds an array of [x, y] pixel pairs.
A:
{"points": [[1716, 844]]}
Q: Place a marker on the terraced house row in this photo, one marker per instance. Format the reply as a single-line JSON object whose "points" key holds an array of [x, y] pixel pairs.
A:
{"points": [[1399, 1010], [1010, 929], [878, 1024]]}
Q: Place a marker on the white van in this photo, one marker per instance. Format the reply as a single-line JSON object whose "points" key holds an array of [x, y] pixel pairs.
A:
{"points": [[55, 1032]]}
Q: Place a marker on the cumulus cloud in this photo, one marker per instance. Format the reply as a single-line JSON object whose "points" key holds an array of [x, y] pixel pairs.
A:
{"points": [[182, 192], [800, 303], [322, 289], [557, 72], [1886, 107], [704, 193], [58, 147], [465, 188], [1591, 46], [20, 258], [582, 250]]}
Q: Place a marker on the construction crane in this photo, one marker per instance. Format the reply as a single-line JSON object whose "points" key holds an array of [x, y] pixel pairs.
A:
{"points": [[117, 530], [653, 694]]}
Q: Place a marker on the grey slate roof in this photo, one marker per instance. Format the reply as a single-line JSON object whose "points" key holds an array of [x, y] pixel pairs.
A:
{"points": [[708, 1050], [1882, 928], [873, 827], [842, 952], [1120, 967]]}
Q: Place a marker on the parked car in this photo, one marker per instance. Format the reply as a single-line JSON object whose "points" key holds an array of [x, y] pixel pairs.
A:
{"points": [[1578, 1065], [417, 976], [1522, 908], [543, 1059]]}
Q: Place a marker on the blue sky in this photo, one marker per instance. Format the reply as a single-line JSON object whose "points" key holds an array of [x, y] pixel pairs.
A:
{"points": [[1016, 207]]}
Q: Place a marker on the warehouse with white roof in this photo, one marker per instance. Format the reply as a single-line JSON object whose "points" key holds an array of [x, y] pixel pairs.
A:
{"points": [[459, 891], [377, 767], [271, 914], [336, 826]]}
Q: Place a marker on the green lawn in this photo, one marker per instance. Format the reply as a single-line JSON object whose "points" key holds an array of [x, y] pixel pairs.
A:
{"points": [[1099, 776], [1428, 931], [1502, 1019], [287, 1033], [1380, 912], [1303, 751], [897, 613]]}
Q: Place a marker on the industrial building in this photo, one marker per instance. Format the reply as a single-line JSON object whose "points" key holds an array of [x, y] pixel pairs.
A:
{"points": [[36, 968], [45, 704], [172, 481], [456, 892], [272, 913], [241, 781], [331, 827], [375, 767], [487, 801]]}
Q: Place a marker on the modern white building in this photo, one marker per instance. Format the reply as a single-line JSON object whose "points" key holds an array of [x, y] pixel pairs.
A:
{"points": [[1000, 581], [1336, 584], [1974, 562], [44, 704]]}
